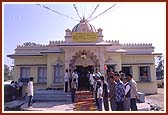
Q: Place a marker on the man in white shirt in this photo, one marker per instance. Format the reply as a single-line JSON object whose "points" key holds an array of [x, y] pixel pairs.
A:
{"points": [[98, 74], [66, 79], [127, 85], [29, 91], [91, 79], [75, 76], [99, 96], [133, 93]]}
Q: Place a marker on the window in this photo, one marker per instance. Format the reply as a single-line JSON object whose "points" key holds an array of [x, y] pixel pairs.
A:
{"points": [[144, 74], [42, 74], [58, 74], [127, 70], [25, 74]]}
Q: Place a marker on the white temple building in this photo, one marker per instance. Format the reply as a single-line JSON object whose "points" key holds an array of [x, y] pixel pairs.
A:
{"points": [[84, 49]]}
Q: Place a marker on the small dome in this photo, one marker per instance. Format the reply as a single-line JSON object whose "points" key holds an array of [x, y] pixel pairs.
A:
{"points": [[84, 26]]}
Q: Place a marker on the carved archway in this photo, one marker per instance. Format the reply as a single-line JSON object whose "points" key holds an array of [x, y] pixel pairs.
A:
{"points": [[84, 55]]}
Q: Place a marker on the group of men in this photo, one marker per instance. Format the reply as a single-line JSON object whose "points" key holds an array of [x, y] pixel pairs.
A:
{"points": [[18, 88], [71, 82], [69, 78], [117, 88]]}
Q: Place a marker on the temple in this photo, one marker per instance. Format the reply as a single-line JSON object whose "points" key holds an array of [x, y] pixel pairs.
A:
{"points": [[84, 49]]}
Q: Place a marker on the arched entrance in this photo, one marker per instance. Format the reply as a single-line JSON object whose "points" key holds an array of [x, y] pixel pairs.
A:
{"points": [[84, 62]]}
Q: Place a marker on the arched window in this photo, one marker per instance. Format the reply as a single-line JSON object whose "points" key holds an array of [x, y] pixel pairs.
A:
{"points": [[42, 74], [58, 74]]}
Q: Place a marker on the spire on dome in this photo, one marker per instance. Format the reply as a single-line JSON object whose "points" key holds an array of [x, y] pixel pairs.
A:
{"points": [[84, 26], [83, 20]]}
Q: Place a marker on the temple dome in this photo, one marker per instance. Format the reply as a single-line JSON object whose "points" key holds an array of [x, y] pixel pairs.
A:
{"points": [[84, 26]]}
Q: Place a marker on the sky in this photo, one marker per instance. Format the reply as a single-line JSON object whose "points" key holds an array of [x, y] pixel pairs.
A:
{"points": [[127, 22]]}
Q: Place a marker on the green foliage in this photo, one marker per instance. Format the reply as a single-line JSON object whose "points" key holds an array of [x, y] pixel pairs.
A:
{"points": [[160, 67], [8, 73]]}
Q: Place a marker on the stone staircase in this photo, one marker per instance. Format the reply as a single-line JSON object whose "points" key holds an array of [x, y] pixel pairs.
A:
{"points": [[52, 96]]}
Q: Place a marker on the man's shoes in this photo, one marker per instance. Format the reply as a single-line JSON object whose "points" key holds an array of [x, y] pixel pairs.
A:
{"points": [[30, 106]]}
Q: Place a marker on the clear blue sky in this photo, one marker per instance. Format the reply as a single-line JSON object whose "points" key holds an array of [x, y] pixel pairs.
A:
{"points": [[127, 22]]}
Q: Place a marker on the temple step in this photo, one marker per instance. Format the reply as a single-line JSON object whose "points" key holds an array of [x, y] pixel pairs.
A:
{"points": [[52, 95]]}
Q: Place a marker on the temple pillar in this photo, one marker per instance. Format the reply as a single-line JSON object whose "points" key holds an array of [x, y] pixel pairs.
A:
{"points": [[101, 59], [67, 59]]}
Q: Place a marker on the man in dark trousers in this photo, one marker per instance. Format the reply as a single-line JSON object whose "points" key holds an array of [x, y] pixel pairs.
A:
{"points": [[73, 89], [66, 79], [20, 88], [119, 92], [30, 91], [105, 94], [112, 95], [127, 94], [133, 93]]}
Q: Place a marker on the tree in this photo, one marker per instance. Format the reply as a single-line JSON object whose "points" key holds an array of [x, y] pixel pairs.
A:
{"points": [[8, 74], [160, 67], [6, 70]]}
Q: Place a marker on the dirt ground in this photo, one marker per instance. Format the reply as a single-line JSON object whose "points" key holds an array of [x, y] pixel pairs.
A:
{"points": [[156, 99]]}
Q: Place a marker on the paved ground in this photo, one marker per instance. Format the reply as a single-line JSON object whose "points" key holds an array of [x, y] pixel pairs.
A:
{"points": [[50, 106], [157, 99]]}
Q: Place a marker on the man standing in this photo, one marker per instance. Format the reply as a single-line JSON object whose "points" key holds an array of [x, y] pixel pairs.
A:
{"points": [[110, 74], [120, 92], [73, 89], [133, 93], [75, 76], [105, 94], [20, 88], [29, 91], [66, 79], [127, 94], [97, 74], [99, 96], [112, 93], [91, 79]]}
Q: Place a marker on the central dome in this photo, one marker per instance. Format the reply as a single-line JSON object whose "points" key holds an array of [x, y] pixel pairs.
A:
{"points": [[84, 26]]}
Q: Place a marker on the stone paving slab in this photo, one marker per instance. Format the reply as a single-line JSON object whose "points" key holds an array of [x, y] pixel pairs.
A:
{"points": [[143, 107], [14, 104], [48, 106], [51, 106]]}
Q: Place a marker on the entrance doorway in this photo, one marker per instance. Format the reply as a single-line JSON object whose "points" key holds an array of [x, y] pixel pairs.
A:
{"points": [[83, 80]]}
